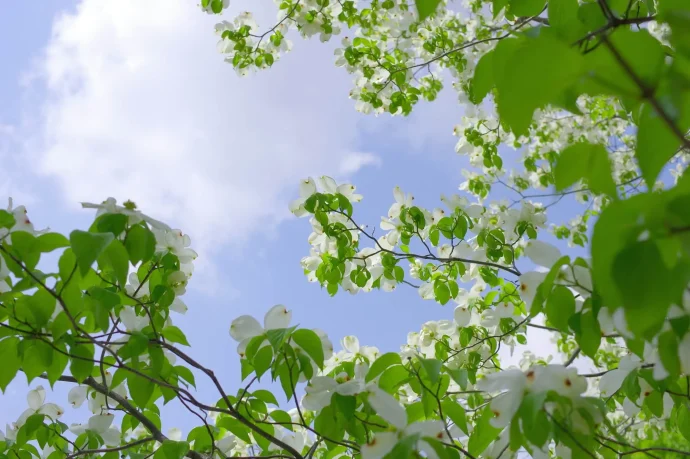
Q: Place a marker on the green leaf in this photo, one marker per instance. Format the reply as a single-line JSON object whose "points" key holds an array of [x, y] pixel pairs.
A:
{"points": [[426, 8], [589, 337], [311, 343], [642, 54], [172, 450], [441, 291], [27, 247], [278, 336], [483, 79], [526, 7], [393, 377], [483, 434], [381, 364], [536, 72], [456, 413], [140, 388], [140, 244], [186, 374], [51, 241], [88, 246], [41, 306], [174, 335], [617, 225], [656, 144], [38, 356], [584, 160], [217, 6], [668, 352], [103, 303], [459, 375], [432, 367], [560, 306], [262, 360], [563, 17], [81, 356], [647, 292], [7, 220], [10, 361], [111, 223], [115, 259], [265, 396], [497, 6]]}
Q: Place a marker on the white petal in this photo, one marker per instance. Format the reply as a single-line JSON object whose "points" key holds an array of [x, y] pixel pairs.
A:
{"points": [[77, 395], [474, 210], [316, 401], [512, 379], [307, 187], [350, 344], [321, 384], [328, 184], [226, 443], [245, 327], [352, 387], [612, 381], [387, 407], [398, 195], [277, 317], [36, 398], [629, 408], [379, 446], [426, 428], [52, 411], [175, 434], [542, 253], [111, 437], [462, 316], [78, 429], [504, 407], [178, 306], [101, 422], [529, 282]]}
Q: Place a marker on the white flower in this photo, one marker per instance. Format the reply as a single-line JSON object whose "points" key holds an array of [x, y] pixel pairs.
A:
{"points": [[99, 424], [131, 320], [612, 381], [384, 442], [462, 316], [135, 289], [36, 399], [529, 282], [350, 344], [307, 187], [226, 444], [511, 383], [77, 395], [109, 206], [560, 379], [246, 327], [401, 200], [542, 253]]}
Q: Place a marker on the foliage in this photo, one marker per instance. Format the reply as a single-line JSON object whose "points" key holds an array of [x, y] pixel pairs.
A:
{"points": [[591, 98]]}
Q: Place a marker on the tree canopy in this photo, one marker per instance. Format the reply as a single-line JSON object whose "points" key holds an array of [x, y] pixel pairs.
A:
{"points": [[579, 104]]}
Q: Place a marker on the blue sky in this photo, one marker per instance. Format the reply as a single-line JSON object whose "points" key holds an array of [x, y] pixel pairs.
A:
{"points": [[130, 99]]}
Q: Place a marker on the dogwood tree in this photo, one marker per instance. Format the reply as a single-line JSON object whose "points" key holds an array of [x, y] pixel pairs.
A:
{"points": [[578, 104]]}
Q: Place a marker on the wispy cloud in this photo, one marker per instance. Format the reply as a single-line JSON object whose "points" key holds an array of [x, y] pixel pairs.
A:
{"points": [[139, 105]]}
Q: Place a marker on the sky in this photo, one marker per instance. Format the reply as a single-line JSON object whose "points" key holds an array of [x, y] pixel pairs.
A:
{"points": [[130, 99]]}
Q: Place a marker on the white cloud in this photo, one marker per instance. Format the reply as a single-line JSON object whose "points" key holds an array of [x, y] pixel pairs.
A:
{"points": [[354, 162], [141, 106]]}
